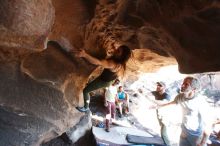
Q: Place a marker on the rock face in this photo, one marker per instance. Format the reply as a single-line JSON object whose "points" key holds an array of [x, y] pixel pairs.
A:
{"points": [[41, 83], [25, 24], [37, 100]]}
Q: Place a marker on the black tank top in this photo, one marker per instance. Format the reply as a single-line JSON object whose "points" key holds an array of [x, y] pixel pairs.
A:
{"points": [[107, 75]]}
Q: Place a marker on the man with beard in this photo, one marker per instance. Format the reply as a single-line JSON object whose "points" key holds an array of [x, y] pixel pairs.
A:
{"points": [[161, 96], [197, 120]]}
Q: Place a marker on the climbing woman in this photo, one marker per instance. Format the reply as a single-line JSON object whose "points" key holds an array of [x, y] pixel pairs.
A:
{"points": [[114, 66]]}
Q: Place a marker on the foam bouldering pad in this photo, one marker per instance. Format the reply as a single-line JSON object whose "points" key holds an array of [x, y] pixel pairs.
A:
{"points": [[117, 135], [144, 140]]}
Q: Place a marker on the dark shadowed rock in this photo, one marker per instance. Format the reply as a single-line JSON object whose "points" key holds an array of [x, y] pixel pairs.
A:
{"points": [[31, 121]]}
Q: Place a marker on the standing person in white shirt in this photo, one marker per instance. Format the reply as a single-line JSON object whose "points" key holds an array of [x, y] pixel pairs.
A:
{"points": [[197, 120], [110, 97]]}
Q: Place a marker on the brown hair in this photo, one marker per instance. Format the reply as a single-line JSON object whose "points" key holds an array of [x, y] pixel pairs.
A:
{"points": [[123, 57]]}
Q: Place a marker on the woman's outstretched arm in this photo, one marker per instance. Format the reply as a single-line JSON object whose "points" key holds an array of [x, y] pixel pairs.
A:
{"points": [[104, 63]]}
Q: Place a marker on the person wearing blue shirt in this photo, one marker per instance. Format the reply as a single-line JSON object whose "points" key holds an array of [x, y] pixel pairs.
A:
{"points": [[122, 101]]}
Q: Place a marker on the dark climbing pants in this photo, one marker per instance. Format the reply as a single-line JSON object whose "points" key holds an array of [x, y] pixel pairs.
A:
{"points": [[94, 85]]}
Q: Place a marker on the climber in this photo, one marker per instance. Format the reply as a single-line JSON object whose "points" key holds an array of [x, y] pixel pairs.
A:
{"points": [[114, 67]]}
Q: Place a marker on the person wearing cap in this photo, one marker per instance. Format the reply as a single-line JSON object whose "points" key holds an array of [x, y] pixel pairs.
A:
{"points": [[197, 116], [160, 93], [161, 96]]}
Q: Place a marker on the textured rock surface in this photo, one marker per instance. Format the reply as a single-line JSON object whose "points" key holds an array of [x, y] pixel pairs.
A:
{"points": [[25, 24], [40, 87], [31, 111], [84, 125]]}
